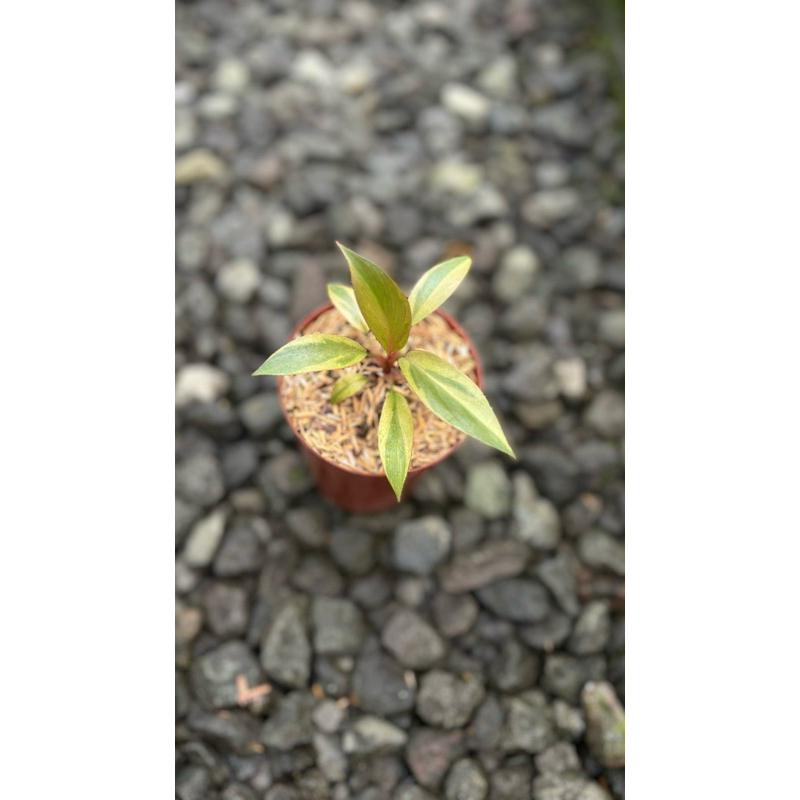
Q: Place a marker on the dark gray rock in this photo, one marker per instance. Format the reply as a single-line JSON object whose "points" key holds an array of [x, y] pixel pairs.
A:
{"points": [[422, 544], [226, 609], [528, 723], [553, 471], [353, 550], [548, 634], [558, 574], [484, 733], [379, 684], [488, 490], [455, 614], [242, 550], [290, 724], [412, 640], [213, 675], [569, 721], [285, 648], [337, 624], [447, 701], [511, 782], [592, 629], [564, 675], [515, 668], [308, 526], [517, 599], [192, 782], [536, 520], [199, 480], [466, 781], [239, 463], [602, 551], [491, 562], [317, 575], [431, 752], [606, 414], [261, 413]]}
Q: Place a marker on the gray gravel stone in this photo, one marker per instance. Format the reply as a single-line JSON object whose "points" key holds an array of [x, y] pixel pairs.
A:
{"points": [[517, 599], [422, 544], [199, 480], [226, 609], [606, 414], [528, 723], [328, 716], [516, 274], [558, 575], [488, 490], [601, 551], [431, 752], [465, 102], [447, 701], [493, 561], [285, 649], [204, 539], [605, 723], [412, 640], [200, 383], [213, 675], [261, 413], [466, 781], [592, 629], [329, 757], [515, 668], [564, 675], [379, 684], [290, 723], [569, 721], [548, 634], [238, 280], [338, 625], [611, 328], [371, 734], [242, 550], [511, 782], [536, 519], [454, 614], [353, 550], [308, 526]]}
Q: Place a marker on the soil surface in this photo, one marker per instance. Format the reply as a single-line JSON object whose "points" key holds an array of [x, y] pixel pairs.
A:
{"points": [[470, 642]]}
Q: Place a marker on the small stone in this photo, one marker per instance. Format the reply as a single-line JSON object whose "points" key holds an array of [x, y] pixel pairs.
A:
{"points": [[199, 165], [310, 66], [373, 735], [558, 759], [454, 614], [239, 463], [430, 753], [606, 414], [465, 102], [285, 649], [422, 544], [330, 758], [574, 787], [200, 383], [515, 668], [353, 550], [188, 622], [611, 328], [328, 716], [569, 721], [447, 701], [484, 732], [558, 575], [338, 625], [548, 634], [204, 539], [499, 77], [238, 280], [493, 561], [217, 105], [192, 782], [605, 723], [380, 685], [242, 551], [411, 591], [570, 374], [466, 781], [199, 480], [260, 413], [564, 675], [549, 206], [226, 609], [529, 725], [512, 782], [289, 474], [308, 526], [580, 268], [516, 274], [536, 519], [412, 640], [213, 675], [516, 599], [488, 490], [592, 629], [231, 75], [456, 176], [411, 792], [317, 575], [290, 723], [563, 122], [602, 551]]}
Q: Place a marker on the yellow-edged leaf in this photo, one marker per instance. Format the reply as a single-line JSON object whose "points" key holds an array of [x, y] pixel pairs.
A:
{"points": [[311, 353], [395, 436], [383, 304], [347, 385], [453, 397], [344, 298], [436, 285]]}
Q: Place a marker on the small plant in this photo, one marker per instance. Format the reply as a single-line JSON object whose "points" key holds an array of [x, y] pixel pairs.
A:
{"points": [[376, 304]]}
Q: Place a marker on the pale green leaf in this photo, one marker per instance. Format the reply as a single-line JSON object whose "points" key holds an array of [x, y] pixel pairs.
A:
{"points": [[384, 306], [453, 397], [436, 285], [347, 385], [311, 353], [344, 298], [395, 436]]}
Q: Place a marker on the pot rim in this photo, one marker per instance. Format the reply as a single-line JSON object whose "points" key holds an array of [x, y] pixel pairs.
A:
{"points": [[310, 317]]}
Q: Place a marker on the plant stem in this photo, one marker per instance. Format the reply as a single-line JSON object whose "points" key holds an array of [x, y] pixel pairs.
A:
{"points": [[388, 362]]}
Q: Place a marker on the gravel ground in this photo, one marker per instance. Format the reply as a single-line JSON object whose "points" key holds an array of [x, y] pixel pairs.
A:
{"points": [[468, 644]]}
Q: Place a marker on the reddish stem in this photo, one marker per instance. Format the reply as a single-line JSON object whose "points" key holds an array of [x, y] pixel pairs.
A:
{"points": [[388, 362]]}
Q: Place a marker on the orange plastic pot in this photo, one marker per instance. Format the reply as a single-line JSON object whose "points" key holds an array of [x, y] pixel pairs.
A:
{"points": [[356, 490]]}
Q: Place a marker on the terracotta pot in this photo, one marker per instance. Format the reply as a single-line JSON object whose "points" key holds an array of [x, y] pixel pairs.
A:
{"points": [[352, 489]]}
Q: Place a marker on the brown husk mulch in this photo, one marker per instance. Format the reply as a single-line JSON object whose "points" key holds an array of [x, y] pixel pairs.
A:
{"points": [[347, 432]]}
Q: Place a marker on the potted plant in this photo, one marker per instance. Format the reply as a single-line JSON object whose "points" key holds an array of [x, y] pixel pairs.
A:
{"points": [[378, 386]]}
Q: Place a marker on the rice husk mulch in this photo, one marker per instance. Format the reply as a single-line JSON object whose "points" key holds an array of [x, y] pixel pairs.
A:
{"points": [[347, 432]]}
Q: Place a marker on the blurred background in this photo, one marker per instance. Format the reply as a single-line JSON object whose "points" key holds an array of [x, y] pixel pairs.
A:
{"points": [[468, 644]]}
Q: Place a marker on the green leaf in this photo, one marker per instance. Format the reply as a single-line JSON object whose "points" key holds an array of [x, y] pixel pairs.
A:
{"points": [[312, 353], [384, 306], [436, 285], [452, 396], [344, 298], [395, 435], [347, 385]]}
